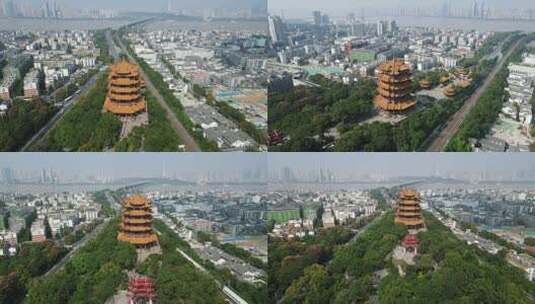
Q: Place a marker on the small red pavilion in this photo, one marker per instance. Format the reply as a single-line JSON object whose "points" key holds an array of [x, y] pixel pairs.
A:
{"points": [[141, 290], [410, 243]]}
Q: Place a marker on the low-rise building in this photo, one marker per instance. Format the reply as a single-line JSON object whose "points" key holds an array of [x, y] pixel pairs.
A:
{"points": [[38, 232], [31, 84]]}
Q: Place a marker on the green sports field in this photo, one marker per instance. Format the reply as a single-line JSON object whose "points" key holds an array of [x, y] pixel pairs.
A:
{"points": [[282, 216]]}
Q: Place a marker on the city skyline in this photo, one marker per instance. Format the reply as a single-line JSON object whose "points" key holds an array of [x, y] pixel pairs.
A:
{"points": [[365, 8], [187, 166], [46, 7], [380, 166]]}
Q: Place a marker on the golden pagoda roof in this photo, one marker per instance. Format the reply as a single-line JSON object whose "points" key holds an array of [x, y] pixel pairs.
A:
{"points": [[124, 108], [394, 93], [126, 98], [450, 91], [395, 79], [409, 193], [124, 90], [136, 221], [444, 79], [137, 213], [389, 105], [125, 82], [138, 240], [124, 67], [409, 208], [425, 83], [132, 228], [136, 200], [394, 67], [409, 222]]}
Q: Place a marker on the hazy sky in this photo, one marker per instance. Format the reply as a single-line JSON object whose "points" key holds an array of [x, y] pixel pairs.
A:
{"points": [[195, 165], [134, 164], [337, 8], [404, 164], [157, 5]]}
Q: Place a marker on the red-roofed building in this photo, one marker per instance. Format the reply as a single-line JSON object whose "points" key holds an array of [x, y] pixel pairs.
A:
{"points": [[410, 243], [141, 290]]}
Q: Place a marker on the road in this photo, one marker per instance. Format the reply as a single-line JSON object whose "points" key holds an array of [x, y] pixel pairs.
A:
{"points": [[454, 124], [111, 46], [115, 205], [365, 228], [185, 137], [77, 247], [60, 114]]}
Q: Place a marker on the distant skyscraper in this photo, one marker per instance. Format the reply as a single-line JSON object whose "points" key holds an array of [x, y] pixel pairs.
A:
{"points": [[277, 30], [9, 8], [446, 9], [475, 11], [317, 18], [7, 176], [325, 20], [380, 28]]}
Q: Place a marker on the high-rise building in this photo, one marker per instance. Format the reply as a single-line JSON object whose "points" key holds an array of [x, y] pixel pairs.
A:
{"points": [[325, 20], [8, 177], [380, 28], [317, 18], [136, 226], [169, 6], [409, 212], [277, 30], [392, 26], [9, 8], [482, 12], [475, 10]]}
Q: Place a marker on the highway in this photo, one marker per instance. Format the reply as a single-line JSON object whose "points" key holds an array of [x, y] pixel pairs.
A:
{"points": [[185, 137], [454, 124], [60, 114]]}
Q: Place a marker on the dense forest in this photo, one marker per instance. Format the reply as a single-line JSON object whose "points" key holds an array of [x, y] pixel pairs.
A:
{"points": [[32, 261], [307, 113], [332, 270], [22, 121], [450, 271], [346, 275], [84, 127], [92, 275]]}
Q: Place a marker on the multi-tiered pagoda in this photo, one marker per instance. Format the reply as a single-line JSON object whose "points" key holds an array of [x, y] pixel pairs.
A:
{"points": [[409, 212], [136, 226], [124, 90], [394, 87]]}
